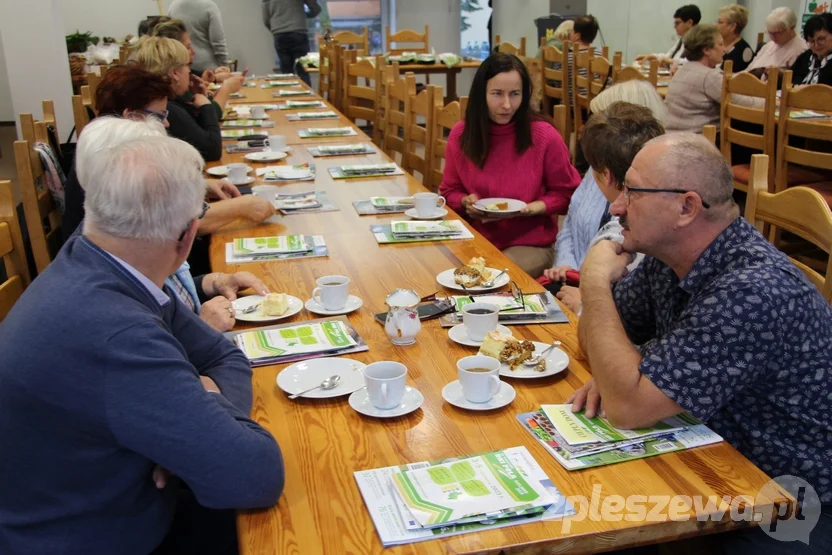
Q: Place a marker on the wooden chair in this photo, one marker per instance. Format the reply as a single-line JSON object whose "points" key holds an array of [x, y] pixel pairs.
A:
{"points": [[809, 97], [630, 73], [419, 142], [335, 55], [761, 39], [798, 210], [600, 74], [385, 74], [93, 81], [735, 119], [581, 60], [353, 41], [556, 85], [323, 69], [359, 99], [444, 119], [408, 36], [396, 107], [11, 251], [561, 119], [508, 48], [79, 111], [709, 132]]}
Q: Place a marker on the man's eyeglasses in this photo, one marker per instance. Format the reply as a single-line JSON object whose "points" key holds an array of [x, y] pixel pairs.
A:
{"points": [[161, 116], [205, 207], [628, 190]]}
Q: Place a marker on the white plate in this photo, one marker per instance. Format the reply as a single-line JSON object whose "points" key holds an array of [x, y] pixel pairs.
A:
{"points": [[412, 400], [514, 205], [353, 303], [295, 305], [453, 394], [266, 156], [291, 174], [309, 373], [458, 334], [556, 362], [222, 171], [440, 213], [246, 181], [446, 279]]}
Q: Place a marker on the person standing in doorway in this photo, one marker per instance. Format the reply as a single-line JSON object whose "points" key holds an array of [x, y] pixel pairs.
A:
{"points": [[286, 19]]}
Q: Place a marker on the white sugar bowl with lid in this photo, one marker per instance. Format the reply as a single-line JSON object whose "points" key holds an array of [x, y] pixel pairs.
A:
{"points": [[402, 324]]}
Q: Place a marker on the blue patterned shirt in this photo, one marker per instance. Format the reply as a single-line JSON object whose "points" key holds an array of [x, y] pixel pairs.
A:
{"points": [[743, 342]]}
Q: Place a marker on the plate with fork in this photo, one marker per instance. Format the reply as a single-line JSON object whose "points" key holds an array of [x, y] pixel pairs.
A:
{"points": [[250, 309]]}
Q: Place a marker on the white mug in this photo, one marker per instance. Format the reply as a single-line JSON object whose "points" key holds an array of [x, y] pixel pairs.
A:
{"points": [[332, 292], [477, 326], [237, 173], [427, 204], [268, 192], [385, 383], [479, 387], [276, 143], [258, 112]]}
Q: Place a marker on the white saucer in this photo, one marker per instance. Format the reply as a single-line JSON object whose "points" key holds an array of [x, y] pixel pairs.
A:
{"points": [[556, 362], [309, 373], [411, 401], [247, 181], [446, 279], [458, 334], [440, 213], [514, 205], [222, 171], [453, 394], [295, 305], [353, 303], [266, 156]]}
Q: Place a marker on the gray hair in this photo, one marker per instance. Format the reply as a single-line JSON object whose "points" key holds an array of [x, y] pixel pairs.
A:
{"points": [[640, 93], [781, 17], [140, 184], [693, 163]]}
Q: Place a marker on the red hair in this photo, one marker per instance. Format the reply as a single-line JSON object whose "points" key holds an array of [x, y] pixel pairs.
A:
{"points": [[129, 87]]}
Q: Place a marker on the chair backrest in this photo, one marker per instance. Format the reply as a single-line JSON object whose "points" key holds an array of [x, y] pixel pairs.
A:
{"points": [[630, 73], [761, 38], [508, 48], [409, 37], [798, 210], [335, 54], [359, 95], [417, 148], [809, 97], [79, 111], [396, 106], [709, 132], [93, 81], [445, 117], [11, 251], [581, 60], [600, 74], [555, 82], [323, 69], [123, 53], [354, 41], [385, 74], [748, 85], [561, 118]]}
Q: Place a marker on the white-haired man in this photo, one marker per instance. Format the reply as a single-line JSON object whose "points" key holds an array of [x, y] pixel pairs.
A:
{"points": [[724, 325], [785, 45], [109, 386]]}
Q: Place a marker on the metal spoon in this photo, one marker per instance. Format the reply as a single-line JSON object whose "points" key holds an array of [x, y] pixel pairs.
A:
{"points": [[470, 296], [490, 282], [328, 383], [248, 309], [535, 359]]}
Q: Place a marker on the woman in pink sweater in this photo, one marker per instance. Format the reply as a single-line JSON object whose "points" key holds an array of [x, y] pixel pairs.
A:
{"points": [[503, 150]]}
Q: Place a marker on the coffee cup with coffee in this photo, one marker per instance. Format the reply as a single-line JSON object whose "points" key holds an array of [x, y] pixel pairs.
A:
{"points": [[479, 319], [479, 378], [332, 292]]}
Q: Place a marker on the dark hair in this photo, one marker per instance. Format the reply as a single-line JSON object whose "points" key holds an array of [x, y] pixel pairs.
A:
{"points": [[817, 23], [688, 12], [146, 27], [170, 29], [612, 138], [129, 87], [477, 121], [587, 27]]}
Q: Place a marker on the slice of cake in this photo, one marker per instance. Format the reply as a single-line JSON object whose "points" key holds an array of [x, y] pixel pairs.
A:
{"points": [[502, 205], [506, 349], [275, 304], [473, 273]]}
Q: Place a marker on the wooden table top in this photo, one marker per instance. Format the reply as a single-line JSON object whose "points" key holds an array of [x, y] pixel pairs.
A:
{"points": [[325, 441]]}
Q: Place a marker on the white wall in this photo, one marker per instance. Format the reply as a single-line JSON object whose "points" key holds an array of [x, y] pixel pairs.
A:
{"points": [[6, 107]]}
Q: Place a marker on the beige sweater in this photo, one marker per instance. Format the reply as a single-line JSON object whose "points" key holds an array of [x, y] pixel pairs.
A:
{"points": [[693, 98]]}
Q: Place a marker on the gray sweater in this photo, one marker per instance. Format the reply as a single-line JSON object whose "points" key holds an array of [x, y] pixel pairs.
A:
{"points": [[288, 16], [204, 23]]}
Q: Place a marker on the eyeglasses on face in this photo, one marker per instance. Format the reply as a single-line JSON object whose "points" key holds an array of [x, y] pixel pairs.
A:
{"points": [[205, 207], [161, 116], [627, 191], [818, 40]]}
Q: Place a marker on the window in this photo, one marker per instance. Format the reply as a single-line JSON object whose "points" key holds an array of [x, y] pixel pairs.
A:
{"points": [[473, 22], [349, 15]]}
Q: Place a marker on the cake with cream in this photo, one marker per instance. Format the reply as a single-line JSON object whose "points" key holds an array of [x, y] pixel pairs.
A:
{"points": [[275, 304], [473, 273], [501, 205], [506, 349]]}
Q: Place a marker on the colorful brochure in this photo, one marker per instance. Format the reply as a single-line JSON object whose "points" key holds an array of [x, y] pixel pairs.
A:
{"points": [[281, 244], [365, 170], [302, 116], [247, 123], [309, 246], [318, 132], [384, 234], [240, 133], [292, 92], [301, 203], [540, 308], [298, 104], [278, 84], [341, 150], [577, 429], [408, 228]]}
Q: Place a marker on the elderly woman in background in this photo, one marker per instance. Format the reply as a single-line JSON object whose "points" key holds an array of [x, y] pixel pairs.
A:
{"points": [[683, 19], [785, 46], [815, 65], [732, 20]]}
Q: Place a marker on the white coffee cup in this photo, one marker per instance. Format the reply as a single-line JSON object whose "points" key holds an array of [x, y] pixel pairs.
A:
{"points": [[332, 292], [479, 386], [258, 112], [237, 173], [427, 204], [385, 383], [477, 326], [276, 143], [268, 192]]}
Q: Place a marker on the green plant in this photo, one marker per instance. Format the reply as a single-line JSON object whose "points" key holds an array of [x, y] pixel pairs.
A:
{"points": [[79, 42]]}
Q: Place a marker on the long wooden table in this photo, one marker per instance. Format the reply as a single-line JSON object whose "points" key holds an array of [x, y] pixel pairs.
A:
{"points": [[325, 441]]}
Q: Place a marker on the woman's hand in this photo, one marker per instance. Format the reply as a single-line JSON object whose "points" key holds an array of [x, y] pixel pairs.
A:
{"points": [[558, 273], [571, 297], [233, 84], [536, 208], [473, 212], [218, 313], [221, 189], [197, 85], [208, 76]]}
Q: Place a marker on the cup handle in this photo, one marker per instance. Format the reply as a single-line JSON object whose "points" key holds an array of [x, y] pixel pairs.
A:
{"points": [[495, 385], [441, 202], [316, 295]]}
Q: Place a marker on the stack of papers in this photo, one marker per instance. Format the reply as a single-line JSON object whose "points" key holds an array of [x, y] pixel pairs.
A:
{"points": [[392, 204], [295, 342], [328, 114], [275, 248], [298, 92], [326, 132], [297, 201], [442, 228], [536, 308], [341, 150], [579, 442], [446, 497], [281, 83], [296, 104], [247, 123], [365, 170]]}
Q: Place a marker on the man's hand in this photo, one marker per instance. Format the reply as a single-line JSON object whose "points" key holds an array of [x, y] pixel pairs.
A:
{"points": [[228, 285], [255, 208], [221, 189], [607, 261], [160, 477], [587, 398], [209, 384], [571, 297], [218, 313], [558, 273]]}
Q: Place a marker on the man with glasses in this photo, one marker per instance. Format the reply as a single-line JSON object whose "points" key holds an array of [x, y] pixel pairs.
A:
{"points": [[125, 426], [715, 321]]}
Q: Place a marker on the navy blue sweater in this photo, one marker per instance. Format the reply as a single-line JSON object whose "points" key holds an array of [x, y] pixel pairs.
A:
{"points": [[98, 384]]}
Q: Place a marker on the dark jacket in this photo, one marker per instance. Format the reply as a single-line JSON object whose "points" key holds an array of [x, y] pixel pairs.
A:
{"points": [[740, 54], [198, 127], [800, 69]]}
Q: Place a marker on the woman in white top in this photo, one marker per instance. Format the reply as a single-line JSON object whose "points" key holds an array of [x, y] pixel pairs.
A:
{"points": [[785, 46], [684, 18]]}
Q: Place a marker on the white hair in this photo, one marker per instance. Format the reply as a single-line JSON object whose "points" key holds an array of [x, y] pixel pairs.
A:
{"points": [[640, 93], [140, 184], [781, 17]]}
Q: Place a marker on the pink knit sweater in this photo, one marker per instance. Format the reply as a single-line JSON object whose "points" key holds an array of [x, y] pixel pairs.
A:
{"points": [[543, 172]]}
